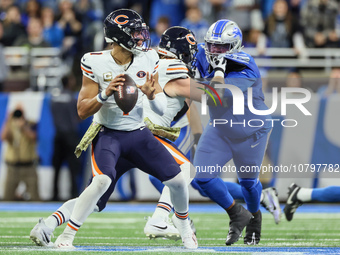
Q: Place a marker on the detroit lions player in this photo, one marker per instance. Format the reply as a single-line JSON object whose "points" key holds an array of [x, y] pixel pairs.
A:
{"points": [[222, 59], [122, 140], [298, 195]]}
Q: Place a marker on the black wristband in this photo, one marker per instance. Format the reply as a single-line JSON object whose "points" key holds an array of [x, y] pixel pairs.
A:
{"points": [[197, 137], [219, 69]]}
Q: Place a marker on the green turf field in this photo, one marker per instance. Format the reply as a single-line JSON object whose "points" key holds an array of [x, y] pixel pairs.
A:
{"points": [[102, 232]]}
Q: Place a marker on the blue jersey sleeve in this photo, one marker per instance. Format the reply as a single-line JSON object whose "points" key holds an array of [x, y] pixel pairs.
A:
{"points": [[243, 80]]}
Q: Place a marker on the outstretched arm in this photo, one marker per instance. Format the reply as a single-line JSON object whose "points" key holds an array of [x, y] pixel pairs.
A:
{"points": [[188, 88]]}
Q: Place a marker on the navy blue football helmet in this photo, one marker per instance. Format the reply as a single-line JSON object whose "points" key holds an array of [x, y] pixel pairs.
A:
{"points": [[178, 42], [127, 28]]}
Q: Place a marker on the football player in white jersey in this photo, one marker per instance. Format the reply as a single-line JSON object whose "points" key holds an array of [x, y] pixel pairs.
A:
{"points": [[177, 48], [122, 141]]}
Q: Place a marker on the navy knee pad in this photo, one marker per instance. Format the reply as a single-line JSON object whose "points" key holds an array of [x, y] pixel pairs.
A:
{"points": [[169, 172], [105, 197]]}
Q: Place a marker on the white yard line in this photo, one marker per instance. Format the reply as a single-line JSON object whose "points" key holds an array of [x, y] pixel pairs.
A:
{"points": [[203, 239]]}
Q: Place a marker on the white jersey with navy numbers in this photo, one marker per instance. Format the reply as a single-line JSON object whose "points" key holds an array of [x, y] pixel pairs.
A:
{"points": [[101, 68], [168, 69]]}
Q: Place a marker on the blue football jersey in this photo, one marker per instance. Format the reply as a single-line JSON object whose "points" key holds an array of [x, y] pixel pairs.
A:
{"points": [[242, 72]]}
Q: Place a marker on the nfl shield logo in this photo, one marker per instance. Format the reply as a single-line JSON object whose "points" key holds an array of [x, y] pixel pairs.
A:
{"points": [[130, 90]]}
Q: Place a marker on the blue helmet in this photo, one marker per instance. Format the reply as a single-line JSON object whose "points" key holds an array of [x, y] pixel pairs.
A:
{"points": [[223, 37], [127, 28]]}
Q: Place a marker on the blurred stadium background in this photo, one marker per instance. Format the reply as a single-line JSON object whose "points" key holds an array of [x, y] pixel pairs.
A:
{"points": [[294, 42]]}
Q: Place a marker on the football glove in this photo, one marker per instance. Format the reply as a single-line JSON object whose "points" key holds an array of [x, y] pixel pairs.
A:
{"points": [[218, 63], [197, 137]]}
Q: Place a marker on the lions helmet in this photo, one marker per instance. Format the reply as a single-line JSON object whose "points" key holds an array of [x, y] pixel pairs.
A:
{"points": [[178, 42], [127, 28], [223, 37]]}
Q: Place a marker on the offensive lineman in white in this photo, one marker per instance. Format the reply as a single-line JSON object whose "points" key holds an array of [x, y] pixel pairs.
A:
{"points": [[177, 48], [122, 141]]}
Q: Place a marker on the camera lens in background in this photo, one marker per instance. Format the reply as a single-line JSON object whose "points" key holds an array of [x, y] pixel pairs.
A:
{"points": [[17, 114]]}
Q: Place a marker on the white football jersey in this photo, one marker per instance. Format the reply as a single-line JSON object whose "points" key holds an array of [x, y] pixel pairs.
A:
{"points": [[101, 68], [168, 69]]}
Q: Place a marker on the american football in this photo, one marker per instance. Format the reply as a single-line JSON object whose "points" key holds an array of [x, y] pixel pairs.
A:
{"points": [[126, 96]]}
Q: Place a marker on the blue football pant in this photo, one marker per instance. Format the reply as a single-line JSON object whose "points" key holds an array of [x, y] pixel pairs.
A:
{"points": [[214, 151]]}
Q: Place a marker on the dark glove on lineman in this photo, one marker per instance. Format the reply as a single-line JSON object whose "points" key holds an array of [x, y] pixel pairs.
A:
{"points": [[218, 63], [197, 137]]}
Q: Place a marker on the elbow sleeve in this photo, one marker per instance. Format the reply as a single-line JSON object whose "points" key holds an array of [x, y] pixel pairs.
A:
{"points": [[159, 103]]}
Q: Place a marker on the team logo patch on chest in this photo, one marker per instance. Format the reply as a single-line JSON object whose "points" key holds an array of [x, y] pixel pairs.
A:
{"points": [[141, 74], [107, 76]]}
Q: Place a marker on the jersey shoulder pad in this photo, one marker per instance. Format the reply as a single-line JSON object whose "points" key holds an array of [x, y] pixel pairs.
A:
{"points": [[151, 53], [171, 69], [175, 67], [86, 65], [149, 58]]}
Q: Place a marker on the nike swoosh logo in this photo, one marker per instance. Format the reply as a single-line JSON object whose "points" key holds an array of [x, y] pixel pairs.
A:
{"points": [[160, 227], [271, 199], [142, 128], [289, 201], [254, 145]]}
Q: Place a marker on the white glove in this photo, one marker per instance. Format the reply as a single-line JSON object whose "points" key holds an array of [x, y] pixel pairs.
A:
{"points": [[218, 63]]}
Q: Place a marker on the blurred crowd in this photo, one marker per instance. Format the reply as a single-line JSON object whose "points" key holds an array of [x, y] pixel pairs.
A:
{"points": [[75, 26]]}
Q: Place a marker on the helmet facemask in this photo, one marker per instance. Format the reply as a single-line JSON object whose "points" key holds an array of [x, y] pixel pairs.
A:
{"points": [[141, 40], [127, 29], [188, 55], [217, 49]]}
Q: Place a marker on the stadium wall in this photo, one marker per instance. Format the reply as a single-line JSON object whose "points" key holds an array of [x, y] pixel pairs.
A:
{"points": [[315, 140]]}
